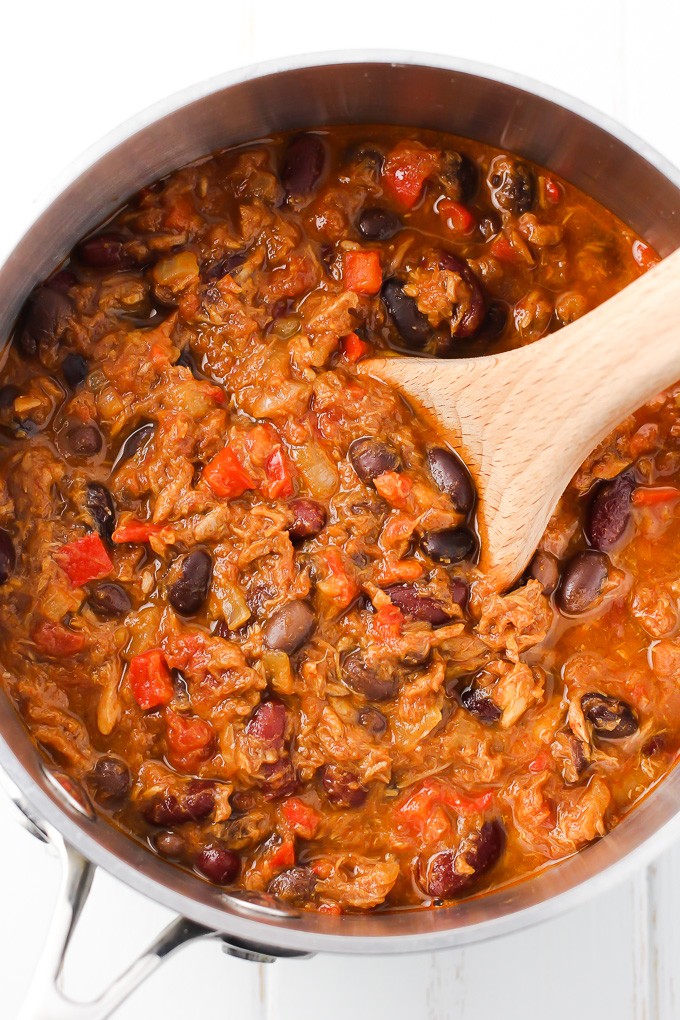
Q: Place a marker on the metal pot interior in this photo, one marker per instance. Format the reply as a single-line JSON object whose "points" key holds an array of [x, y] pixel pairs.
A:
{"points": [[616, 169]]}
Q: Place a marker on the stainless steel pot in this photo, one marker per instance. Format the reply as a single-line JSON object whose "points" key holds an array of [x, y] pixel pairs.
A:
{"points": [[493, 106]]}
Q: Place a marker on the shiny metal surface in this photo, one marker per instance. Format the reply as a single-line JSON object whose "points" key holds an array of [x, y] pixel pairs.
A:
{"points": [[495, 107]]}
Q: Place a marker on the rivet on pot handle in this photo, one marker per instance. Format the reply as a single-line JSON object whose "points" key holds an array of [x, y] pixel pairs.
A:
{"points": [[46, 999]]}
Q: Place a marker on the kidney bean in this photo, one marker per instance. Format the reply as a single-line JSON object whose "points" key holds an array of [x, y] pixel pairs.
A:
{"points": [[611, 718], [377, 224], [8, 557], [459, 176], [481, 854], [46, 314], [279, 779], [63, 281], [450, 545], [309, 518], [75, 370], [84, 440], [460, 592], [477, 701], [289, 627], [375, 683], [135, 441], [342, 787], [170, 845], [654, 745], [544, 569], [417, 606], [489, 226], [372, 457], [302, 165], [109, 600], [194, 804], [218, 863], [110, 778], [474, 314], [296, 886], [496, 320], [268, 723], [452, 477], [372, 720], [512, 185], [104, 251], [609, 511], [188, 593], [581, 582], [99, 502], [411, 324]]}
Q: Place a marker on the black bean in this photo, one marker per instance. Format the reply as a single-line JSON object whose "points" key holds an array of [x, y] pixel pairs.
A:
{"points": [[474, 313], [372, 720], [188, 593], [84, 440], [218, 863], [289, 627], [449, 545], [8, 557], [222, 267], [110, 778], [377, 682], [609, 511], [8, 394], [489, 226], [411, 324], [480, 853], [496, 320], [611, 718], [75, 369], [459, 176], [109, 600], [99, 502], [170, 845], [45, 316], [309, 518], [373, 457], [135, 441], [417, 606], [581, 582], [104, 251], [302, 165], [296, 886], [377, 224], [477, 701], [452, 477], [512, 185], [544, 569], [343, 787]]}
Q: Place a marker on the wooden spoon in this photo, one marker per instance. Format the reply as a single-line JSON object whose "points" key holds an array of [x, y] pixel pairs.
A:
{"points": [[523, 421]]}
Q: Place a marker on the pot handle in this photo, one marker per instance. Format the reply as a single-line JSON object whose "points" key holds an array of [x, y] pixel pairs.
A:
{"points": [[46, 999]]}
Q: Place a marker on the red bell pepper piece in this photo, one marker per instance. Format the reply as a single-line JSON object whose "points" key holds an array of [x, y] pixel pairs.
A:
{"points": [[84, 560], [57, 640], [301, 816], [150, 679], [136, 532], [645, 256], [655, 495], [457, 217], [353, 348], [501, 248], [338, 586], [283, 856], [190, 740], [406, 169], [226, 476], [394, 487], [279, 475], [553, 191], [362, 272], [418, 807]]}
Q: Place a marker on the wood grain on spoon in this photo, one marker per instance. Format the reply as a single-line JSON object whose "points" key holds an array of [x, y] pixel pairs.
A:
{"points": [[524, 421]]}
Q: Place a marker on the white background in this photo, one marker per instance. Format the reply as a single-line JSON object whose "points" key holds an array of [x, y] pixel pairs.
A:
{"points": [[68, 73]]}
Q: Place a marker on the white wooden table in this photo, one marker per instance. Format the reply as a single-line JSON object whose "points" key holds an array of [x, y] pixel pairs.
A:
{"points": [[68, 73]]}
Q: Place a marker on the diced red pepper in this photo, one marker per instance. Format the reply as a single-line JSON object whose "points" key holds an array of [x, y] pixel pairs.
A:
{"points": [[417, 807], [279, 475], [406, 169], [644, 255], [362, 272], [136, 532], [501, 248], [283, 856], [394, 487], [190, 740], [84, 560], [338, 586], [329, 908], [301, 817], [540, 762], [57, 640], [456, 216], [181, 215], [353, 348], [655, 495], [150, 679], [553, 191], [389, 622], [226, 475]]}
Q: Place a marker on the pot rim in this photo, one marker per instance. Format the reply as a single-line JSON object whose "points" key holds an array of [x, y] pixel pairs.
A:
{"points": [[250, 927]]}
